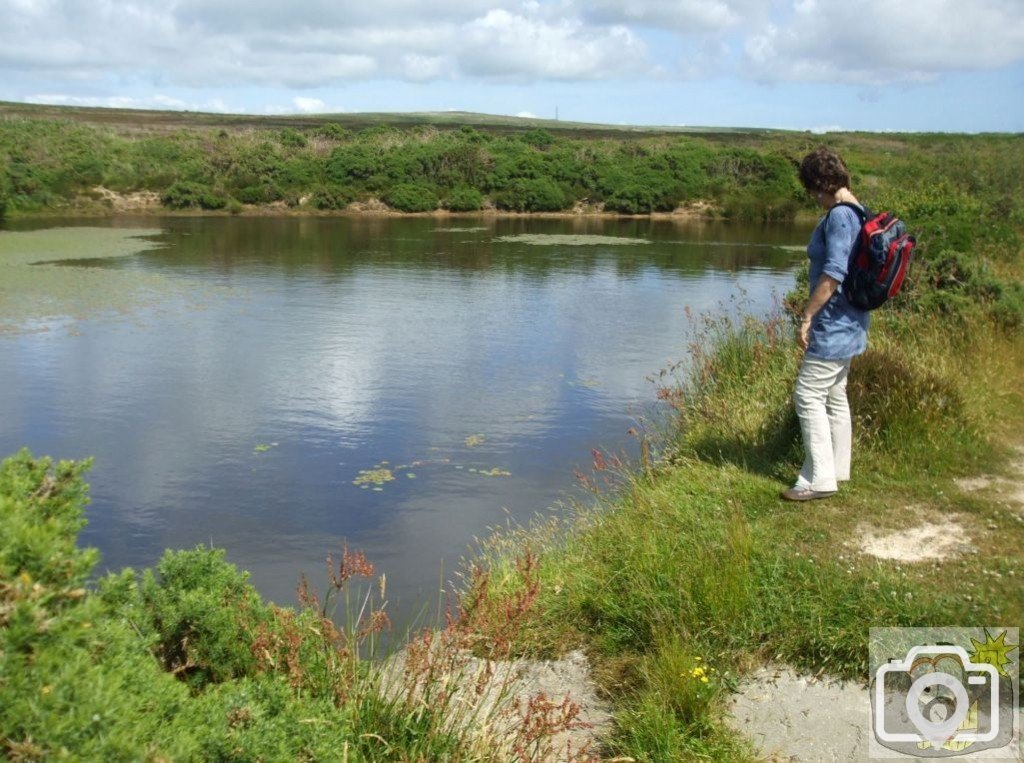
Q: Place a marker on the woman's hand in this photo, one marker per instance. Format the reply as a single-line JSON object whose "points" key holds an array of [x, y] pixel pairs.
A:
{"points": [[822, 293], [803, 333]]}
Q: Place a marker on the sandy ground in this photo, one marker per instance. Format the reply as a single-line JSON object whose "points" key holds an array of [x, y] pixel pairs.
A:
{"points": [[936, 538]]}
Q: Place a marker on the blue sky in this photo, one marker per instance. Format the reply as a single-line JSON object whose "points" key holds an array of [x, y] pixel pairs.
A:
{"points": [[799, 64]]}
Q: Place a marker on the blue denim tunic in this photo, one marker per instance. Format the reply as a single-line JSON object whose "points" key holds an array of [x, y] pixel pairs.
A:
{"points": [[839, 330]]}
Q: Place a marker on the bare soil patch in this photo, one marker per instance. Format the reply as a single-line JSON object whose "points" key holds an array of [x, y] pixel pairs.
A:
{"points": [[1009, 490], [935, 538], [138, 201]]}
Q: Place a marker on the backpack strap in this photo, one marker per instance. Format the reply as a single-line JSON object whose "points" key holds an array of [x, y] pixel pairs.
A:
{"points": [[863, 213]]}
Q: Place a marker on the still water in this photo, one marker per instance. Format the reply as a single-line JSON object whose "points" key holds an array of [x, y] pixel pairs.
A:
{"points": [[307, 355]]}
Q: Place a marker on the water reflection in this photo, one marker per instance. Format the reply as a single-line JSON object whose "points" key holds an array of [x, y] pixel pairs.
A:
{"points": [[348, 342]]}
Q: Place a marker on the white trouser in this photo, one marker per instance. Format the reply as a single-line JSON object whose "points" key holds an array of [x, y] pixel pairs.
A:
{"points": [[824, 414]]}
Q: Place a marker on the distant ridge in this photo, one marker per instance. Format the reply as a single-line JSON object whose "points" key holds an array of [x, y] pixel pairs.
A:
{"points": [[157, 120]]}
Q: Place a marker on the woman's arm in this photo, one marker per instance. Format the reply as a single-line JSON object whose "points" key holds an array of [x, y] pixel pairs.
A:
{"points": [[822, 293]]}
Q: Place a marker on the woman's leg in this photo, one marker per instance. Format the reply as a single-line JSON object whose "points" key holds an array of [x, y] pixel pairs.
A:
{"points": [[839, 423], [813, 384]]}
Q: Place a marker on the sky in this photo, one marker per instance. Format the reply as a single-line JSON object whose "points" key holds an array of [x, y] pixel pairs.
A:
{"points": [[820, 65]]}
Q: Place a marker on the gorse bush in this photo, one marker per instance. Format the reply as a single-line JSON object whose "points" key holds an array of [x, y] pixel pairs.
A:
{"points": [[532, 195], [258, 194], [331, 197], [464, 199], [411, 197], [185, 195]]}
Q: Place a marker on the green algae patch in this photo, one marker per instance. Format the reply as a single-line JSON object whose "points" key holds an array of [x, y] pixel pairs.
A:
{"points": [[68, 244], [58, 275], [553, 239]]}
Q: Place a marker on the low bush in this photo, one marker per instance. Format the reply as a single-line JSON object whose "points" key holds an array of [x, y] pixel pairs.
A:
{"points": [[464, 199], [186, 195], [331, 197], [532, 195], [291, 138], [259, 194], [333, 131], [412, 197], [952, 283]]}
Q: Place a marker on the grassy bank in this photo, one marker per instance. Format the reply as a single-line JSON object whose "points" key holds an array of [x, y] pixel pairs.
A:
{"points": [[692, 571]]}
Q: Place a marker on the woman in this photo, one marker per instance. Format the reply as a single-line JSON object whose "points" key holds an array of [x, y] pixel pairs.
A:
{"points": [[832, 332]]}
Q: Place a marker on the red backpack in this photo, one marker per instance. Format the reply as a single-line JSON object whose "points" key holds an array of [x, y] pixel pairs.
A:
{"points": [[880, 259]]}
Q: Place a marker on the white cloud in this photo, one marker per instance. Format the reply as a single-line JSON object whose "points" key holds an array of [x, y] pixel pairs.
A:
{"points": [[526, 115], [322, 43], [679, 15], [875, 41], [421, 68], [505, 45], [309, 105]]}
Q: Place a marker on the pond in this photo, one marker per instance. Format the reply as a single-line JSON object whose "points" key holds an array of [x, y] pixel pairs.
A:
{"points": [[274, 386]]}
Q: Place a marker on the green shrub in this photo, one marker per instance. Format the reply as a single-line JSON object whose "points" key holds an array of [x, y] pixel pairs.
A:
{"points": [[202, 613], [632, 199], [357, 161], [331, 197], [259, 194], [465, 199], [952, 283], [532, 195], [538, 138], [291, 138], [186, 195], [412, 197], [332, 130]]}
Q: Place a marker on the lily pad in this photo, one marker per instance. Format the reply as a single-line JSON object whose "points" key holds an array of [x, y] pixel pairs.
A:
{"points": [[373, 476], [473, 440]]}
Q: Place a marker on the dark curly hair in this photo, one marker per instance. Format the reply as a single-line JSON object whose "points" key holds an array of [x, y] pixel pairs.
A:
{"points": [[824, 170]]}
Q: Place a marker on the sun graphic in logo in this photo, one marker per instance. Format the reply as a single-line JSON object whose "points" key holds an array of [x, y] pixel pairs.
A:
{"points": [[993, 651]]}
